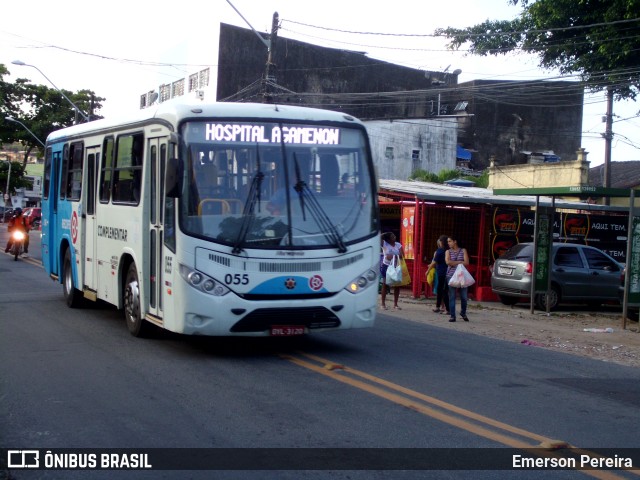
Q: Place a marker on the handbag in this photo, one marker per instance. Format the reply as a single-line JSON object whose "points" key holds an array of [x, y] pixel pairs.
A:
{"points": [[406, 278], [394, 273], [461, 278], [431, 277]]}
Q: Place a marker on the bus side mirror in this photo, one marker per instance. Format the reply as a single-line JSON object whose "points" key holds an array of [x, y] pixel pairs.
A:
{"points": [[172, 178]]}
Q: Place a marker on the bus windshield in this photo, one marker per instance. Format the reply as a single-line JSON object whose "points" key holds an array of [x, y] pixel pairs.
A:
{"points": [[274, 185]]}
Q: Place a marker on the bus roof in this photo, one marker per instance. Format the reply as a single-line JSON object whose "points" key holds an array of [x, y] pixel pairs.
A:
{"points": [[176, 110]]}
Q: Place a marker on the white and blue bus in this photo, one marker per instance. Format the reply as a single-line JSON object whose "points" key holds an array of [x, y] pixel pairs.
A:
{"points": [[216, 219]]}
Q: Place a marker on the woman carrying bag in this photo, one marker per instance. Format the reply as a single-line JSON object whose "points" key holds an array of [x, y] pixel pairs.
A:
{"points": [[453, 257], [390, 249], [440, 266]]}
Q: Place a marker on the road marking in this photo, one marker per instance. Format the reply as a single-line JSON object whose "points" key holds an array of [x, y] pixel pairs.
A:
{"points": [[437, 409], [30, 260]]}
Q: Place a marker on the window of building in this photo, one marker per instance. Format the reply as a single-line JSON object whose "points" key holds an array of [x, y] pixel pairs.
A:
{"points": [[415, 160]]}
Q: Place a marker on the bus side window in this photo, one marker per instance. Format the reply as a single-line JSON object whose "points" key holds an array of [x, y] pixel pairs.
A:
{"points": [[106, 170], [74, 172], [65, 172], [127, 175], [47, 173]]}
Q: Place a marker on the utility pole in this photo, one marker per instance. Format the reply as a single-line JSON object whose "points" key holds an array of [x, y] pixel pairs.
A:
{"points": [[269, 71], [608, 137]]}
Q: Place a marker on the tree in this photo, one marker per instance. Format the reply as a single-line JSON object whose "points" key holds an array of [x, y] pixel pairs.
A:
{"points": [[16, 180], [596, 39], [41, 109]]}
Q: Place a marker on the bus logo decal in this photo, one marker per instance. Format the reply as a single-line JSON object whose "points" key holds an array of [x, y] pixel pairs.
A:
{"points": [[113, 233], [290, 283], [316, 282], [74, 227]]}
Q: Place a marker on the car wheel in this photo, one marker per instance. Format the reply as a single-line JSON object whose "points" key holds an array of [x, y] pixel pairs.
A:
{"points": [[507, 300], [554, 299], [72, 295], [132, 307]]}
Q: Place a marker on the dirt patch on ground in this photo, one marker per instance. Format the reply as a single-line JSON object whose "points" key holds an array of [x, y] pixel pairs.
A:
{"points": [[561, 331]]}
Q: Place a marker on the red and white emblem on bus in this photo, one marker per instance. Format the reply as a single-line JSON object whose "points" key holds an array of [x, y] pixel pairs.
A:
{"points": [[290, 283], [316, 282], [74, 227]]}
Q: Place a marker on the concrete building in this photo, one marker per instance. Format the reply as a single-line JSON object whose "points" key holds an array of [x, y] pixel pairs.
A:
{"points": [[622, 175], [571, 173], [510, 120], [400, 147], [500, 119]]}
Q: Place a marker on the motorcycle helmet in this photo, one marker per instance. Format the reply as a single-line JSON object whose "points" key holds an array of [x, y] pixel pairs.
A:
{"points": [[17, 212]]}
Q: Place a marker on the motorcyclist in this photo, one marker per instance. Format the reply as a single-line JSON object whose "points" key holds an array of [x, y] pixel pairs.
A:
{"points": [[18, 222]]}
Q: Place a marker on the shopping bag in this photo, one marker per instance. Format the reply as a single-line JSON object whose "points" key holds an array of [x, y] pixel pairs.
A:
{"points": [[431, 277], [461, 278], [406, 278], [394, 273]]}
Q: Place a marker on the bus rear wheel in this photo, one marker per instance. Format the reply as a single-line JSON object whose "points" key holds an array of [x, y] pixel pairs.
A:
{"points": [[132, 307]]}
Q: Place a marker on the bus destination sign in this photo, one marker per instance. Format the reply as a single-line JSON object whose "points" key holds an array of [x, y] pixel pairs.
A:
{"points": [[232, 132]]}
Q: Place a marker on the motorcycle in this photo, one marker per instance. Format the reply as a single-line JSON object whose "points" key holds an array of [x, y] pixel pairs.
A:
{"points": [[17, 248]]}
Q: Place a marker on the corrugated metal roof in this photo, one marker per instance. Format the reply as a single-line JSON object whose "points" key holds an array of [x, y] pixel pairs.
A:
{"points": [[450, 193]]}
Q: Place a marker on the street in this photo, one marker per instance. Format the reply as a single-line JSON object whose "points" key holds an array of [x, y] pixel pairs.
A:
{"points": [[75, 378]]}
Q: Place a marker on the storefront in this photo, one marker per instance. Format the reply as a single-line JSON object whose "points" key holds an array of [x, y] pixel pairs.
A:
{"points": [[486, 225]]}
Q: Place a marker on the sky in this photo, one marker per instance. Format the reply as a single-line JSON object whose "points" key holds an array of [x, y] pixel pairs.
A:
{"points": [[122, 49]]}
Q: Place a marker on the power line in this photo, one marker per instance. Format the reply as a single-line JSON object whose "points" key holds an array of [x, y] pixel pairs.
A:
{"points": [[436, 35]]}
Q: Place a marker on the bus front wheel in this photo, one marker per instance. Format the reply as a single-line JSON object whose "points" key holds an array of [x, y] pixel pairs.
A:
{"points": [[132, 308], [72, 295]]}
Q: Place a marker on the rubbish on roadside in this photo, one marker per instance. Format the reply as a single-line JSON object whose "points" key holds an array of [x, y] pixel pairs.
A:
{"points": [[598, 330]]}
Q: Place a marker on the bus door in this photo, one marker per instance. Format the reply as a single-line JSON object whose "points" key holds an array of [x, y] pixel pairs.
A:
{"points": [[89, 232], [50, 227], [158, 150]]}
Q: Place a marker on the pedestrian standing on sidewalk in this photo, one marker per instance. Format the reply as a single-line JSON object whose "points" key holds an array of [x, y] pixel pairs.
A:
{"points": [[440, 265], [390, 248], [455, 256]]}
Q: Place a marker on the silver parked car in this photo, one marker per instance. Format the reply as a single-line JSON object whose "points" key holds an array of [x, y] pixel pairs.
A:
{"points": [[579, 274]]}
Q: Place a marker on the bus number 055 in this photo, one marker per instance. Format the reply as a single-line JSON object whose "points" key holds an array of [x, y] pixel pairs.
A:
{"points": [[236, 279]]}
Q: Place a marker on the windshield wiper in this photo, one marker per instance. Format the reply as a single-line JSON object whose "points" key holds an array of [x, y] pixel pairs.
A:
{"points": [[248, 212], [329, 230], [300, 184]]}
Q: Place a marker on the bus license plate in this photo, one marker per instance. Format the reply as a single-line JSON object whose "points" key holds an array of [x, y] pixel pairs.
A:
{"points": [[286, 330]]}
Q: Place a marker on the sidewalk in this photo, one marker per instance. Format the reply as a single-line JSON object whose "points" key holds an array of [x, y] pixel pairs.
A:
{"points": [[561, 331]]}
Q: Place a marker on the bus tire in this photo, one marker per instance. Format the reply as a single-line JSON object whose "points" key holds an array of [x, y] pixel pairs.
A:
{"points": [[132, 308], [72, 295]]}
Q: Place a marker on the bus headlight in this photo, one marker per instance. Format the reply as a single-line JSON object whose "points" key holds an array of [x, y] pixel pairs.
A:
{"points": [[202, 282], [368, 278]]}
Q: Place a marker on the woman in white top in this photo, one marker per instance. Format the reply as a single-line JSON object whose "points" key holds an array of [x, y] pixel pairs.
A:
{"points": [[390, 248], [455, 256]]}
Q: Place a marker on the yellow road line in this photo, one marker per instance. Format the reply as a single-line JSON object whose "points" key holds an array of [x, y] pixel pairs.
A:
{"points": [[334, 371]]}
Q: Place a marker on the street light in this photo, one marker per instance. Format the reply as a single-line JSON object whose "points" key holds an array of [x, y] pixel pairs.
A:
{"points": [[7, 197], [11, 119], [18, 62]]}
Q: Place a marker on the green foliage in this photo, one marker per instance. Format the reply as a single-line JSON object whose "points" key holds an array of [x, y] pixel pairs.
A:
{"points": [[40, 108], [16, 180], [596, 39], [422, 175], [482, 181]]}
